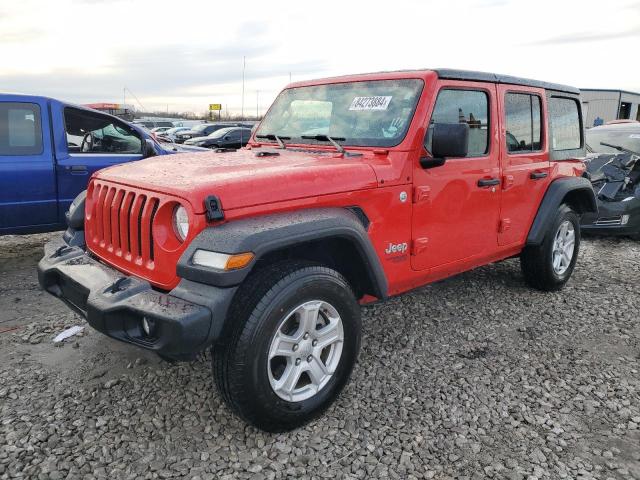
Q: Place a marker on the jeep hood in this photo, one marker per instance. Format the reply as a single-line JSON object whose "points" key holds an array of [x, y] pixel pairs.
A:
{"points": [[245, 177]]}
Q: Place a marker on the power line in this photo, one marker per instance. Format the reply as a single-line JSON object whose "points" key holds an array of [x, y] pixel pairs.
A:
{"points": [[137, 100]]}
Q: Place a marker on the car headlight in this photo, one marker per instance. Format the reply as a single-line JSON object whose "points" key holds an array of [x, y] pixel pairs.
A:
{"points": [[180, 222]]}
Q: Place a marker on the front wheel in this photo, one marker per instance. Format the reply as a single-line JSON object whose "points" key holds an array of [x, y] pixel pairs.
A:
{"points": [[549, 266], [293, 339]]}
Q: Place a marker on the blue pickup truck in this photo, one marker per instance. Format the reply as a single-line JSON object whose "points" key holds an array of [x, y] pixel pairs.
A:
{"points": [[48, 151]]}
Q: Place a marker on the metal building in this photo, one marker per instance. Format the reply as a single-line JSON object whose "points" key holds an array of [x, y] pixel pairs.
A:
{"points": [[601, 106]]}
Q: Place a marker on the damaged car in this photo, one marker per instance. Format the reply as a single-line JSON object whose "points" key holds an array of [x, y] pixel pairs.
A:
{"points": [[613, 167]]}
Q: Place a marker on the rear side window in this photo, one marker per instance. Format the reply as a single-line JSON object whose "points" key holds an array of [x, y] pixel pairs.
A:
{"points": [[463, 106], [522, 112], [565, 123], [20, 129]]}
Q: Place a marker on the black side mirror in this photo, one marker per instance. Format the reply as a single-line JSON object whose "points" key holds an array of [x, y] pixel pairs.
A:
{"points": [[448, 140], [148, 148]]}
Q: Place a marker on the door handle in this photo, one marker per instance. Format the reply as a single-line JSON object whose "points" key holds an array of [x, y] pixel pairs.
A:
{"points": [[538, 175], [78, 169], [488, 182]]}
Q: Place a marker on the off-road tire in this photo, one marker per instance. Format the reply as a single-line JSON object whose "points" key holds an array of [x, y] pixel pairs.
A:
{"points": [[240, 358], [536, 260]]}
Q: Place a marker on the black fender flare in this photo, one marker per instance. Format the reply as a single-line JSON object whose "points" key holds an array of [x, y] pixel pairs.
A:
{"points": [[268, 233], [576, 191]]}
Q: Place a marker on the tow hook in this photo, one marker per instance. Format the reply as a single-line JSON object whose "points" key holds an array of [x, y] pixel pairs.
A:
{"points": [[118, 285], [60, 251]]}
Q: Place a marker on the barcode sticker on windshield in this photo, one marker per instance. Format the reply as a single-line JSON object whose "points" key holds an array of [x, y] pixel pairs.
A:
{"points": [[634, 135], [370, 103]]}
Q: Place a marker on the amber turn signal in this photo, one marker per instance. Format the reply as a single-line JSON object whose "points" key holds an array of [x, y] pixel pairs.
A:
{"points": [[240, 260]]}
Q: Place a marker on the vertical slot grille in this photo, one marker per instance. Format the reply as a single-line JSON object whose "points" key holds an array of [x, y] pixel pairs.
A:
{"points": [[122, 223]]}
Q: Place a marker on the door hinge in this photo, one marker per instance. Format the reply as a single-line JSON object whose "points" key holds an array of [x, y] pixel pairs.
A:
{"points": [[505, 224], [419, 245], [421, 194]]}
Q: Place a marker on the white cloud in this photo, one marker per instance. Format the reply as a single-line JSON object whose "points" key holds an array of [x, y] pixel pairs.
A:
{"points": [[188, 54]]}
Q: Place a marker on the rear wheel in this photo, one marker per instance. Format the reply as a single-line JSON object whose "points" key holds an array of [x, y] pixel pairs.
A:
{"points": [[293, 340], [549, 266]]}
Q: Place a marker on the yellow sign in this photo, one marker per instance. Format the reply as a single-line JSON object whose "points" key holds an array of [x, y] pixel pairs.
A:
{"points": [[215, 106]]}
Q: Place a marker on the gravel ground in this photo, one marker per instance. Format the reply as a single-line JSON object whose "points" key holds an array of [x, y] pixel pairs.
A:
{"points": [[474, 377]]}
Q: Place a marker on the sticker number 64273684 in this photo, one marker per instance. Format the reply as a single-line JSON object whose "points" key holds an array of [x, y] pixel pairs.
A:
{"points": [[370, 103]]}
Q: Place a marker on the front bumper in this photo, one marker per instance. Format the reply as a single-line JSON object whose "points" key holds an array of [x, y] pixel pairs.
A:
{"points": [[608, 221], [183, 322]]}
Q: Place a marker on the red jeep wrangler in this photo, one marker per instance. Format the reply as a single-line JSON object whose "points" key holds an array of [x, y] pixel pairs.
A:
{"points": [[352, 189]]}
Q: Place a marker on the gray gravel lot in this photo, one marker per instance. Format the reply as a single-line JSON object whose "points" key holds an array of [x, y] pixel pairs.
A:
{"points": [[473, 377]]}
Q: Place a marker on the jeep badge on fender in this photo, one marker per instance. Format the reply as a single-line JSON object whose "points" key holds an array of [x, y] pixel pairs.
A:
{"points": [[264, 254], [396, 248]]}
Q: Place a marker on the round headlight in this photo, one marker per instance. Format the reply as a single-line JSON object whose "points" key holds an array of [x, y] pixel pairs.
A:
{"points": [[180, 222]]}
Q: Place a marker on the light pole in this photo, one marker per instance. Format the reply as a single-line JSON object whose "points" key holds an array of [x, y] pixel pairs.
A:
{"points": [[244, 64]]}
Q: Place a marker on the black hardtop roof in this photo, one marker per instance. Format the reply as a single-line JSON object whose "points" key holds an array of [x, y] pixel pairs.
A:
{"points": [[451, 74]]}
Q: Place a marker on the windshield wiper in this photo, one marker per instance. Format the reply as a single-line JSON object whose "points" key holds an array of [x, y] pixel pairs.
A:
{"points": [[327, 138], [619, 148], [277, 138]]}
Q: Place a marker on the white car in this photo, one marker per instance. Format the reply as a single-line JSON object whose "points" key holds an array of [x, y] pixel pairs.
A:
{"points": [[160, 130], [170, 134]]}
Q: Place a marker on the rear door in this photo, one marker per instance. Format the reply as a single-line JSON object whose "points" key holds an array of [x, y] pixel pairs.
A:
{"points": [[87, 141], [27, 178], [232, 139], [524, 159], [456, 205]]}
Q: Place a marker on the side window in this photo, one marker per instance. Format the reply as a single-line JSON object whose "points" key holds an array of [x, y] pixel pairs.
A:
{"points": [[20, 129], [565, 123], [463, 106], [89, 132], [522, 112]]}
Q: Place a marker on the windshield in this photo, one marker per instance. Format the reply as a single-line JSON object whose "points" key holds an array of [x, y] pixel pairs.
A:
{"points": [[176, 130], [375, 113], [200, 128], [220, 132], [629, 139]]}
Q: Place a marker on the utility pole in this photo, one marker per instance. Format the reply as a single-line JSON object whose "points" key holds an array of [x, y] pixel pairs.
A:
{"points": [[257, 103], [244, 64], [124, 96]]}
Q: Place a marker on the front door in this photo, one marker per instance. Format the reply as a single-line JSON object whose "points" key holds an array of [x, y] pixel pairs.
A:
{"points": [[90, 141], [456, 205]]}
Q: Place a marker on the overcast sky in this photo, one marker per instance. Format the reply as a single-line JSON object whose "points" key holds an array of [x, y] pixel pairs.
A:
{"points": [[183, 55]]}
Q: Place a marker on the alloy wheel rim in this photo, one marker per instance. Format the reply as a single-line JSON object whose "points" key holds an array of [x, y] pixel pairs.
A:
{"points": [[305, 351], [563, 247]]}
